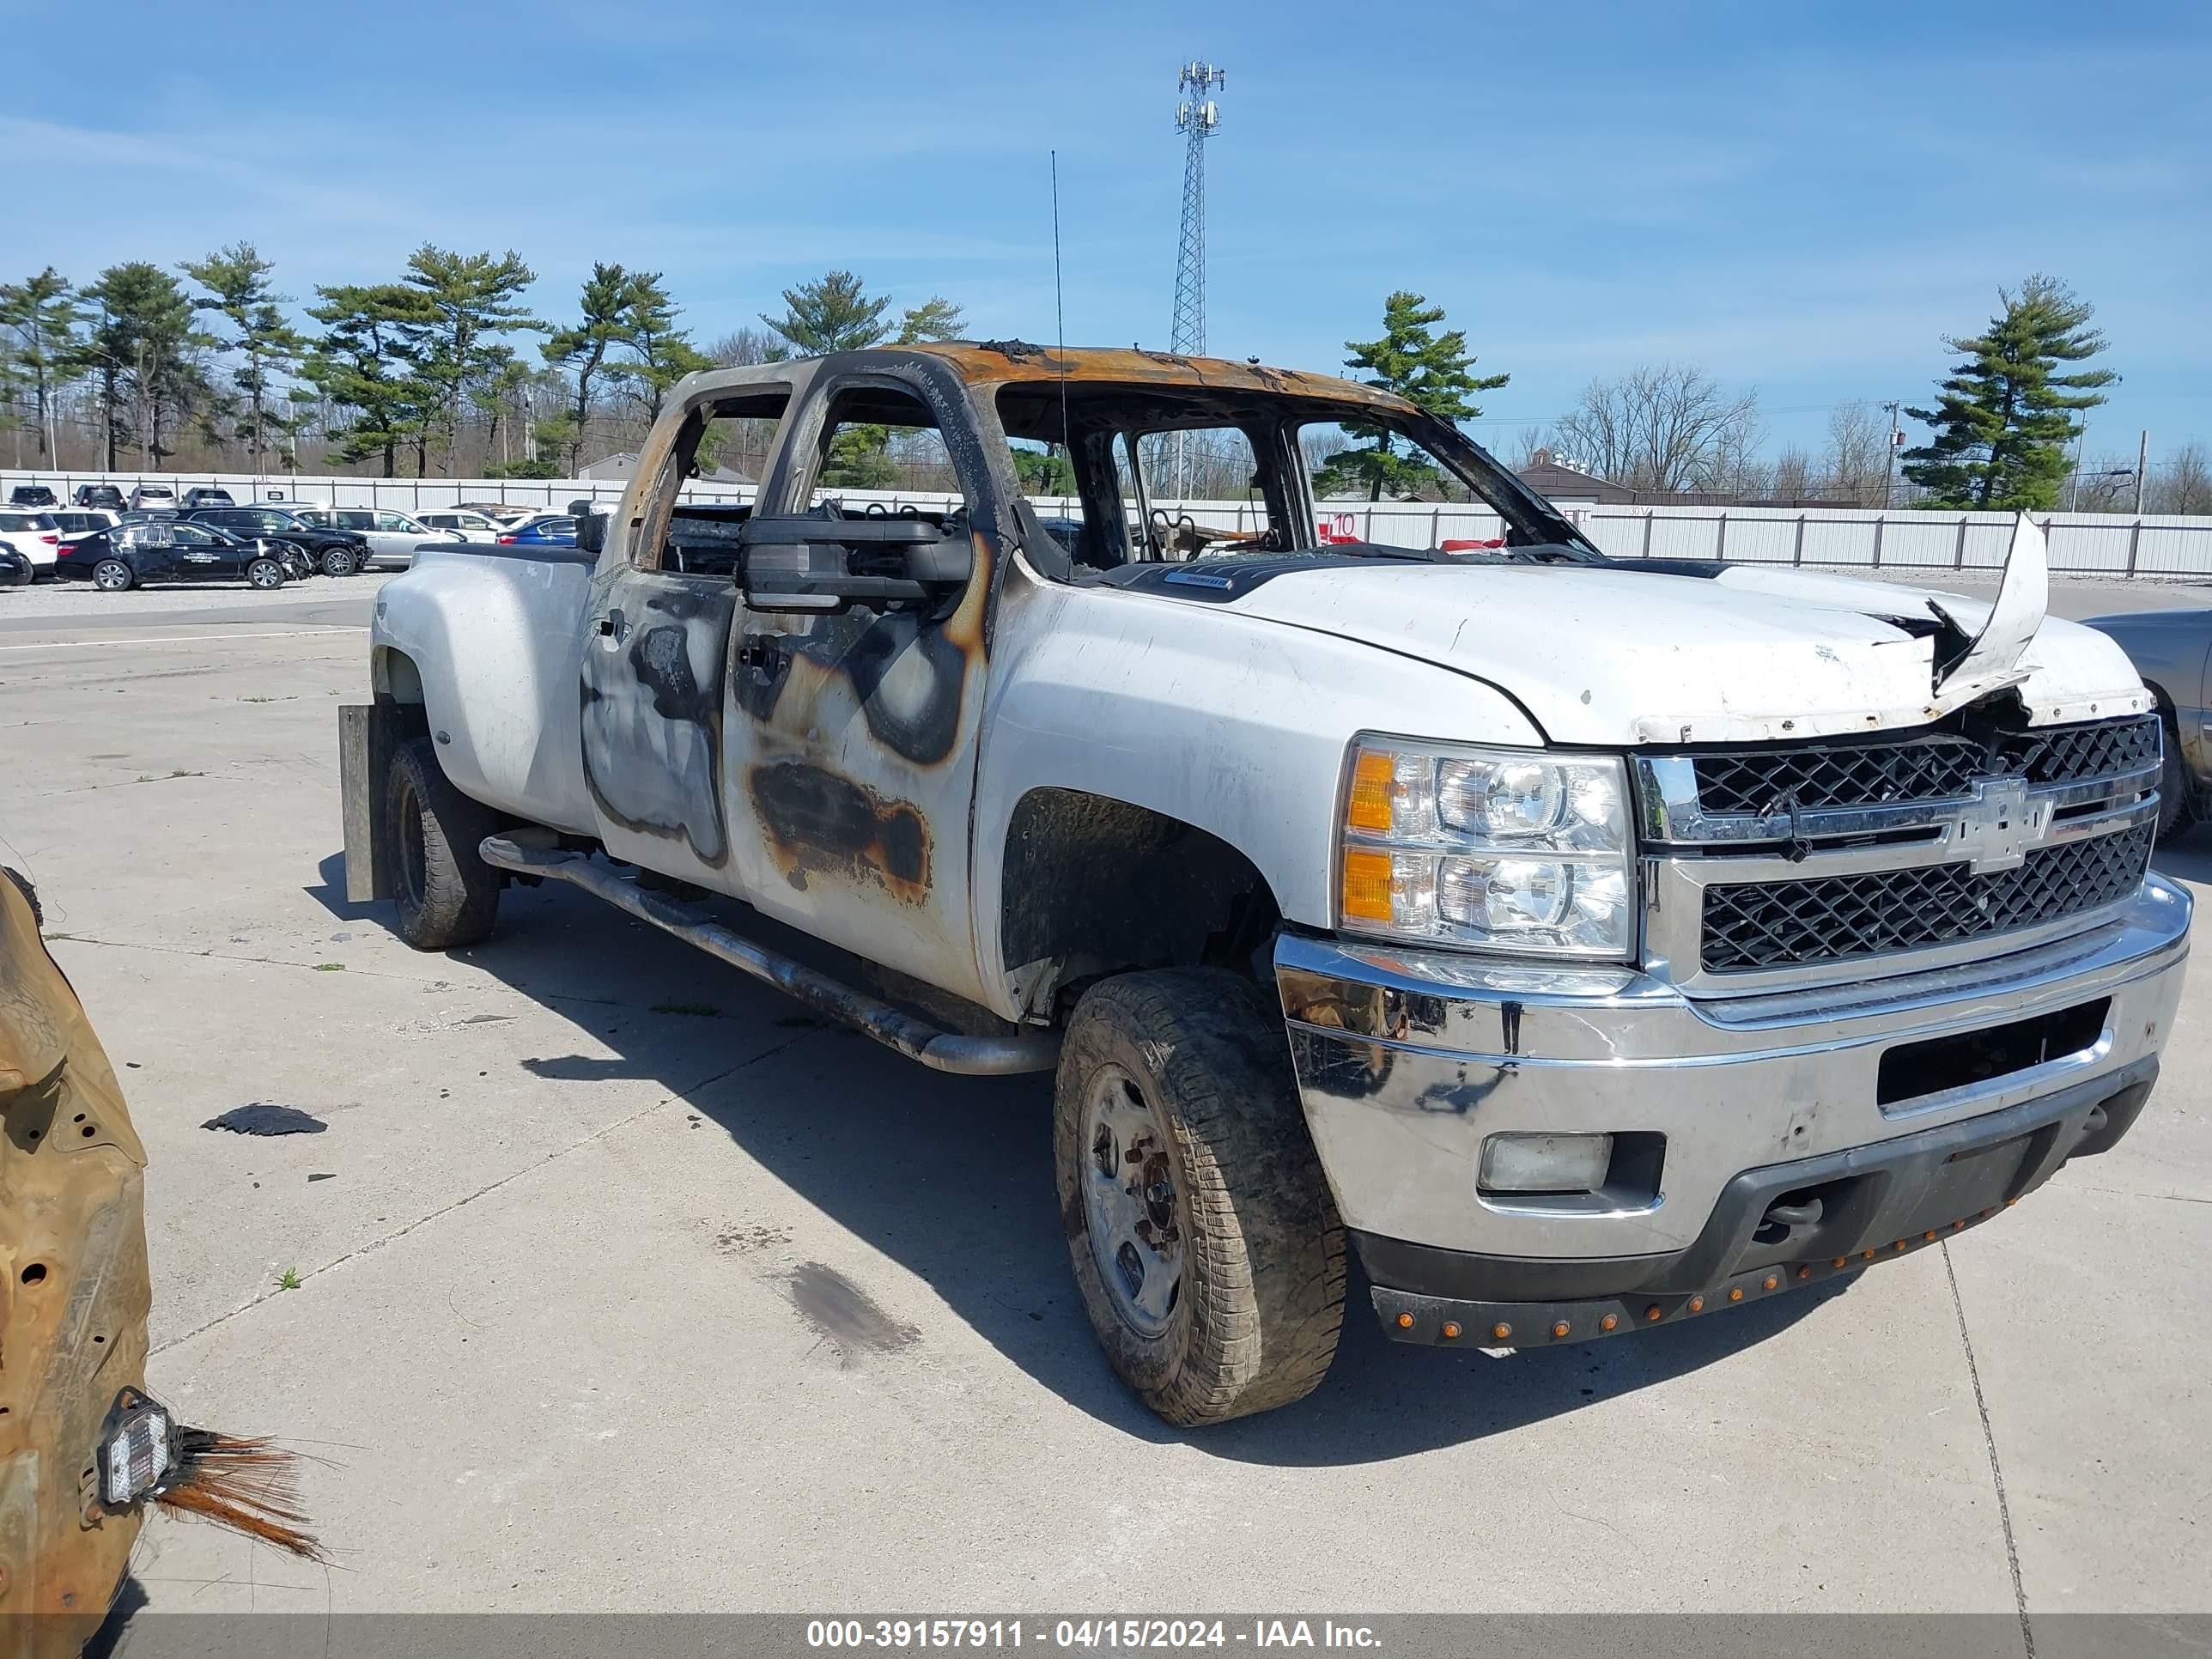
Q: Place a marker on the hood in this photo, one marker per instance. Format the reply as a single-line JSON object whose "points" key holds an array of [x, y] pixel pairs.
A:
{"points": [[1614, 656]]}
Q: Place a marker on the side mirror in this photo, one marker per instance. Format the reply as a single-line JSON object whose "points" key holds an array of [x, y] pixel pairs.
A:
{"points": [[591, 532]]}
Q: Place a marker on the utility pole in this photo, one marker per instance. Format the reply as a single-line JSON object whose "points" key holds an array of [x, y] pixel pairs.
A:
{"points": [[1197, 118], [2080, 446], [1889, 456], [2142, 466]]}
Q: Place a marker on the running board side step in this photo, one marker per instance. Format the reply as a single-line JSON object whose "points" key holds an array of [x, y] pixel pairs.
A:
{"points": [[917, 1039]]}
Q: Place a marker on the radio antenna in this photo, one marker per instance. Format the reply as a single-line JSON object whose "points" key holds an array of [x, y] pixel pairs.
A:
{"points": [[1059, 309]]}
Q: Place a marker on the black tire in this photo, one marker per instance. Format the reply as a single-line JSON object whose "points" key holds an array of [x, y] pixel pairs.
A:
{"points": [[1259, 1295], [266, 574], [447, 895], [338, 561], [2175, 814], [112, 576]]}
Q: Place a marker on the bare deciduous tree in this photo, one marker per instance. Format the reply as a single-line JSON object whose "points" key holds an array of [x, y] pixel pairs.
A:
{"points": [[1672, 427], [1857, 454], [1793, 475], [2184, 482], [742, 348]]}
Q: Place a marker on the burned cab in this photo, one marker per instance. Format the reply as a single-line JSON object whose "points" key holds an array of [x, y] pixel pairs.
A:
{"points": [[1590, 944]]}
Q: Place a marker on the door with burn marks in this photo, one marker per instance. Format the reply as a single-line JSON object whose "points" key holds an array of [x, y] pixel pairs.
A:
{"points": [[853, 735], [656, 660]]}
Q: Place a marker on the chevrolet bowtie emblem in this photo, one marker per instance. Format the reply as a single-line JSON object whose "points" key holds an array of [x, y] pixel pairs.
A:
{"points": [[1996, 826]]}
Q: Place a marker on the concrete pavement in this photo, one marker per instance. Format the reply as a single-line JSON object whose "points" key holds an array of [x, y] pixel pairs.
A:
{"points": [[633, 1287]]}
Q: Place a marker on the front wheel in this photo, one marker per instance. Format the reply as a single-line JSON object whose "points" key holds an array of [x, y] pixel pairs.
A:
{"points": [[265, 574], [447, 895], [2174, 813], [1204, 1243], [111, 576], [338, 561]]}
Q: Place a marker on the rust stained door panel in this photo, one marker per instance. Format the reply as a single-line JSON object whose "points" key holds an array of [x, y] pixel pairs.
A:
{"points": [[74, 1296]]}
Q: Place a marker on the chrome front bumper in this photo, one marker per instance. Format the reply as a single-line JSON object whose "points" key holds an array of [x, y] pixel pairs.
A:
{"points": [[1408, 1060]]}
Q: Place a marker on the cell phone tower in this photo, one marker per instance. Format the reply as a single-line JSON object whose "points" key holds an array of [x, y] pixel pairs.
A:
{"points": [[1198, 118]]}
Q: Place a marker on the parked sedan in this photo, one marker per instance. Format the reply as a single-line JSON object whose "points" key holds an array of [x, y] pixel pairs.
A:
{"points": [[553, 530], [33, 533], [393, 536], [14, 568], [171, 550], [31, 495], [2172, 651], [338, 552]]}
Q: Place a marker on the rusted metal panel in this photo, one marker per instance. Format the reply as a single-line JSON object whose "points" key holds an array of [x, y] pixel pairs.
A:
{"points": [[73, 1296]]}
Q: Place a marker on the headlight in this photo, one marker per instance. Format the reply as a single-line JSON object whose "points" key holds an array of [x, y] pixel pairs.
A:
{"points": [[1499, 849]]}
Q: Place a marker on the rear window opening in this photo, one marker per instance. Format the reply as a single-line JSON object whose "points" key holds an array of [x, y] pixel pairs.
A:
{"points": [[1912, 1071]]}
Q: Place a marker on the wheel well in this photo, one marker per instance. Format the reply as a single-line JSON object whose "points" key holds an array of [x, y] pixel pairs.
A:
{"points": [[1095, 886]]}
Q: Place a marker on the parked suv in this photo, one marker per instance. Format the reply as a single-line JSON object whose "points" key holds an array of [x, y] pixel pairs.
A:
{"points": [[33, 535], [207, 495], [154, 498], [106, 495], [336, 552], [31, 495]]}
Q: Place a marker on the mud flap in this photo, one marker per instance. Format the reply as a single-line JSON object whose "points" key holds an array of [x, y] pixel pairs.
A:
{"points": [[367, 733]]}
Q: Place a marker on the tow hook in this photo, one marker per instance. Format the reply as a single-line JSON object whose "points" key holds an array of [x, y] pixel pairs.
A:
{"points": [[1785, 1221]]}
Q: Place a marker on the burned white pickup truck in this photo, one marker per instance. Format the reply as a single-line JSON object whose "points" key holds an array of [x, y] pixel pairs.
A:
{"points": [[1590, 944]]}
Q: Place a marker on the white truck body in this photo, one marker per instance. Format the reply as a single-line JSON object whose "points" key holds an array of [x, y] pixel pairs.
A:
{"points": [[925, 782]]}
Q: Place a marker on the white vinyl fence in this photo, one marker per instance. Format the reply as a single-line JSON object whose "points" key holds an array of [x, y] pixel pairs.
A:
{"points": [[2081, 543]]}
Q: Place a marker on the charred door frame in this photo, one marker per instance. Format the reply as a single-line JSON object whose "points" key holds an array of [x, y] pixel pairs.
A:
{"points": [[655, 668], [853, 740]]}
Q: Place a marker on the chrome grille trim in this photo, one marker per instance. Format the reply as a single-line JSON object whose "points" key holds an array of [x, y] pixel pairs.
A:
{"points": [[1688, 850]]}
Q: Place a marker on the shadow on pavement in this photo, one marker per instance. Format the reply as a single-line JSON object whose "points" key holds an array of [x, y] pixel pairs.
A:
{"points": [[952, 1178]]}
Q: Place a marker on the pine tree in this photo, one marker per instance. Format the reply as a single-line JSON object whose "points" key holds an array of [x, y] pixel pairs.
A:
{"points": [[830, 314], [583, 348], [237, 281], [935, 318], [361, 363], [40, 315], [661, 354], [2003, 419], [473, 299], [1424, 367], [144, 352]]}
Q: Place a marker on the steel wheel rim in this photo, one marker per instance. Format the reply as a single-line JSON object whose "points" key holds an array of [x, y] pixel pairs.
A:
{"points": [[1131, 1209]]}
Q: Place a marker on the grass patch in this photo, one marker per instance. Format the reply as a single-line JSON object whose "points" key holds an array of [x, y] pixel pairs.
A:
{"points": [[330, 967], [697, 1010], [289, 1279]]}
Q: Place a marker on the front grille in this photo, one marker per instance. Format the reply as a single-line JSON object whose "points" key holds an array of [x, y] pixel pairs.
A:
{"points": [[1935, 766], [1789, 924]]}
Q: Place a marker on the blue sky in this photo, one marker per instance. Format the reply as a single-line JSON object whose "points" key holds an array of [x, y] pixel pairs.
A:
{"points": [[1804, 196]]}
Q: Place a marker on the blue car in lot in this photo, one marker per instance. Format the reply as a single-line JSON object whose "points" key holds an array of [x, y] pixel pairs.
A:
{"points": [[553, 530]]}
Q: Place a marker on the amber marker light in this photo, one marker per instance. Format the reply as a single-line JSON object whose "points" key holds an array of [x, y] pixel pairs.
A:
{"points": [[1697, 1304], [1608, 1322], [1372, 776], [1451, 1329], [1501, 1331], [1367, 885], [1560, 1330], [1773, 1281], [1736, 1295], [1652, 1312], [1404, 1322]]}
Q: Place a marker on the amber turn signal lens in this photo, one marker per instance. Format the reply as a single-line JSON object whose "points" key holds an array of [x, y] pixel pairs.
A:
{"points": [[1501, 1331], [1366, 884], [1451, 1329], [1372, 774], [1404, 1322], [1697, 1304], [1560, 1330], [1773, 1281], [1608, 1322]]}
